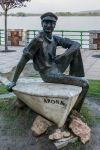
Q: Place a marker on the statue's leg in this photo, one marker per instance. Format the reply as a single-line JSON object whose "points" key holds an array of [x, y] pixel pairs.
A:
{"points": [[76, 65], [74, 61], [82, 96], [63, 62], [71, 80]]}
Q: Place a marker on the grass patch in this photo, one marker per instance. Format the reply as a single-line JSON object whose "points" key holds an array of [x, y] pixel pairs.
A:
{"points": [[97, 118], [87, 117], [94, 89], [76, 144], [90, 120], [3, 89], [15, 121]]}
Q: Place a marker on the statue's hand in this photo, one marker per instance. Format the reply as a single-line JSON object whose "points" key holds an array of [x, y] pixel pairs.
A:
{"points": [[10, 86]]}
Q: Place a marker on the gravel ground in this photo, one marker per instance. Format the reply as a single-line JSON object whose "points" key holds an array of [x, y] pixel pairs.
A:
{"points": [[15, 134]]}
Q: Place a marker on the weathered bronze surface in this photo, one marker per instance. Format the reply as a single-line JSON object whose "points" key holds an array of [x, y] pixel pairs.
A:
{"points": [[42, 50]]}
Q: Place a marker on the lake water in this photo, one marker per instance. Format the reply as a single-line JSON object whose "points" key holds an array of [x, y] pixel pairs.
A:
{"points": [[64, 23]]}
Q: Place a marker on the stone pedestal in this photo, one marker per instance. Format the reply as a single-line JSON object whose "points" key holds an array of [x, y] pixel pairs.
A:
{"points": [[53, 101], [94, 40]]}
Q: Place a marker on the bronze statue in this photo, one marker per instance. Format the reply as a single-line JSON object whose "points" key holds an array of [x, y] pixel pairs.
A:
{"points": [[42, 50]]}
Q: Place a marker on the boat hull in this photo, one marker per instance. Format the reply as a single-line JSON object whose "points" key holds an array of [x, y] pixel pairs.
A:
{"points": [[53, 106]]}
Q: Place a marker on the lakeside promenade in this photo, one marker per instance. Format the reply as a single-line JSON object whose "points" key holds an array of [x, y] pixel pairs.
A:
{"points": [[91, 63]]}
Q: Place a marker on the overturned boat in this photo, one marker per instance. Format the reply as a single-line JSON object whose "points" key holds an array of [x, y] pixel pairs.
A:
{"points": [[53, 101]]}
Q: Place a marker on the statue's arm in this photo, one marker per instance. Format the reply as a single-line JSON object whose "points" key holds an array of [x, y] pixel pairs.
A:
{"points": [[74, 46], [28, 54], [20, 66], [67, 43]]}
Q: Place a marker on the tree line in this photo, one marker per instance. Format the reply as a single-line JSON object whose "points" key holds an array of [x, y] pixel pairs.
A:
{"points": [[23, 14]]}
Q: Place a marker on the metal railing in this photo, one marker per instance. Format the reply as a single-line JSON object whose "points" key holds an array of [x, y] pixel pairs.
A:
{"points": [[1, 37], [80, 36]]}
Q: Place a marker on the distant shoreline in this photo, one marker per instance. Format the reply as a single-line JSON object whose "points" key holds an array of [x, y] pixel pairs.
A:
{"points": [[61, 14], [58, 16]]}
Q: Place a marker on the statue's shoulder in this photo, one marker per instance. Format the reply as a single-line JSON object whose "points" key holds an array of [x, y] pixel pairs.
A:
{"points": [[39, 37], [57, 38]]}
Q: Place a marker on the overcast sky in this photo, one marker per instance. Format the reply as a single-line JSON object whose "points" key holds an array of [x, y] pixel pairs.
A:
{"points": [[41, 6]]}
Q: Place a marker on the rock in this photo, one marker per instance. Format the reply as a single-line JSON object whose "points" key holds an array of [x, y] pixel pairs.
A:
{"points": [[66, 134], [64, 142], [58, 134], [19, 104], [40, 125], [51, 137], [80, 129]]}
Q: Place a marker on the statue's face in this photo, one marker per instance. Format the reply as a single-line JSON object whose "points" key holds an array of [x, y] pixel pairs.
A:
{"points": [[48, 26]]}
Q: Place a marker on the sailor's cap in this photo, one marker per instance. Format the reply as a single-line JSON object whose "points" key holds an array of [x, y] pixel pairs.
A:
{"points": [[49, 16]]}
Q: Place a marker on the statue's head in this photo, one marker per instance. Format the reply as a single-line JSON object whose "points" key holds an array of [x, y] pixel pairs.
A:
{"points": [[48, 21]]}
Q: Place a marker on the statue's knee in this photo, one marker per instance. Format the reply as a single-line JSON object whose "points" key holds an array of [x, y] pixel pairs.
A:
{"points": [[46, 78], [50, 78]]}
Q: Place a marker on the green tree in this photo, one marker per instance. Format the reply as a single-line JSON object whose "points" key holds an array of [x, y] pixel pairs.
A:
{"points": [[20, 14]]}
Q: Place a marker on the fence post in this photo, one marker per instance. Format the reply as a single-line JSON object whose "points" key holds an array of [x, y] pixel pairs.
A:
{"points": [[0, 37], [81, 38], [27, 37], [62, 33], [34, 32]]}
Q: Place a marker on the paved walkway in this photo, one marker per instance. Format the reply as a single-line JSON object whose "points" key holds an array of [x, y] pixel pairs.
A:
{"points": [[91, 64]]}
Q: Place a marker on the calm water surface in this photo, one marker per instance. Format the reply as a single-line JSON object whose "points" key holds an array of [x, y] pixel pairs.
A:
{"points": [[65, 23]]}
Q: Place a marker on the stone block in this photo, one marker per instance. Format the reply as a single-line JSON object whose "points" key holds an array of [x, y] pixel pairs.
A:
{"points": [[64, 142], [53, 101], [40, 125]]}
